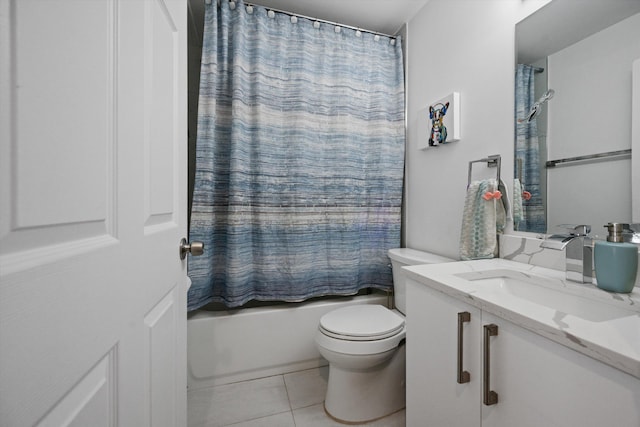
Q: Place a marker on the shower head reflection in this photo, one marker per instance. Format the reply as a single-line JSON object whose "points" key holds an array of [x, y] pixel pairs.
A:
{"points": [[536, 108]]}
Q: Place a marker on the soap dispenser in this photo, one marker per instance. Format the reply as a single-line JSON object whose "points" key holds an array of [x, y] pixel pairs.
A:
{"points": [[616, 262]]}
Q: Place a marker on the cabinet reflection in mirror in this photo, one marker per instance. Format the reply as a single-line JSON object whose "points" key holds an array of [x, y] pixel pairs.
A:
{"points": [[573, 100]]}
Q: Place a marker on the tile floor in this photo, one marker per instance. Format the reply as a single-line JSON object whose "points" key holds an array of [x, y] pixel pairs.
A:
{"points": [[290, 400]]}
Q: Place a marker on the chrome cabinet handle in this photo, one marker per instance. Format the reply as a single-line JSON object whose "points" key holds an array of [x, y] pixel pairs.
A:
{"points": [[193, 248], [490, 397], [463, 376]]}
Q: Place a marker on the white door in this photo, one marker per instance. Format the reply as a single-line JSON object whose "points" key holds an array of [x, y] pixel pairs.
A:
{"points": [[92, 209]]}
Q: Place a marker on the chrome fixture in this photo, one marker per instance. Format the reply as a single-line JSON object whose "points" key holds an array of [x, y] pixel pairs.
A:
{"points": [[620, 232], [578, 247], [492, 161], [631, 233], [618, 154], [463, 376], [536, 108], [193, 248], [490, 397]]}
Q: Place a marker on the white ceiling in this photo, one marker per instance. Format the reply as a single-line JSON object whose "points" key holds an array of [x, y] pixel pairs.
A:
{"points": [[383, 16]]}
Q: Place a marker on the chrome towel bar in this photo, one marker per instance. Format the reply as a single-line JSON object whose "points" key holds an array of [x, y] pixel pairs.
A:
{"points": [[491, 161], [618, 153]]}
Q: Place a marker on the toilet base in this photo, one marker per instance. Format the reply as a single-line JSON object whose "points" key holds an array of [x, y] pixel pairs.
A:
{"points": [[358, 396]]}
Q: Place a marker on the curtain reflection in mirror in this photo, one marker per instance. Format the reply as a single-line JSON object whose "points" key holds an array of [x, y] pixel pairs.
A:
{"points": [[531, 217]]}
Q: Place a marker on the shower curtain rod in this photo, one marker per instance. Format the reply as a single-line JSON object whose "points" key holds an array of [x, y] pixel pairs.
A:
{"points": [[317, 19], [535, 69]]}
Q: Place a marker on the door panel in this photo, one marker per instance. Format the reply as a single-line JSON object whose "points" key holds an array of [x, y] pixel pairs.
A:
{"points": [[434, 395], [543, 383], [162, 328], [90, 402], [63, 89], [48, 195], [162, 83]]}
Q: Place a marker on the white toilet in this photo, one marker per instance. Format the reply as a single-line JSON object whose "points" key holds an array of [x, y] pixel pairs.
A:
{"points": [[364, 345]]}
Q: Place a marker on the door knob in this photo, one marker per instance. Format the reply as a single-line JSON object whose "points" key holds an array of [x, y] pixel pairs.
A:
{"points": [[194, 248]]}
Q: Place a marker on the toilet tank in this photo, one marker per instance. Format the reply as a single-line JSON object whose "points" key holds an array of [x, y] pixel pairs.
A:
{"points": [[405, 256]]}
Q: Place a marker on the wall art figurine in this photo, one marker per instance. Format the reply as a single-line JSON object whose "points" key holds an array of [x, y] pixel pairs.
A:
{"points": [[438, 134], [442, 119]]}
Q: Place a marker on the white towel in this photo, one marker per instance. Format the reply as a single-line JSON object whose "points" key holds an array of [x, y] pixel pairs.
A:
{"points": [[506, 200], [481, 221], [518, 212]]}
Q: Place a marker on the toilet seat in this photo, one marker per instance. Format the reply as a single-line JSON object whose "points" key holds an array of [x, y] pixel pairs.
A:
{"points": [[373, 331], [361, 323]]}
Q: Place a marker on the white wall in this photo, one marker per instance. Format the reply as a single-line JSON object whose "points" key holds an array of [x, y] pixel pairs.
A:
{"points": [[465, 46], [589, 122]]}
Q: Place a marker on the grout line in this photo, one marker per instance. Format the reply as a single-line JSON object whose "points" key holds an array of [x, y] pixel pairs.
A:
{"points": [[286, 389], [259, 418]]}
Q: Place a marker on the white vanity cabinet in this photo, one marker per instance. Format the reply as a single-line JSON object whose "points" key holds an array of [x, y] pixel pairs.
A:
{"points": [[538, 382]]}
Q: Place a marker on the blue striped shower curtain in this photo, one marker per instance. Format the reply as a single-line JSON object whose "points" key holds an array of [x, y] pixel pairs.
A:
{"points": [[528, 150], [299, 158]]}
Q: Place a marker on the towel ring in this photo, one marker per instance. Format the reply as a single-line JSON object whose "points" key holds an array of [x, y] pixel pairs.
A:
{"points": [[491, 161]]}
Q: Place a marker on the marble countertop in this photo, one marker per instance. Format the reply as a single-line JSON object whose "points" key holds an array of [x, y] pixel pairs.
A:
{"points": [[609, 331]]}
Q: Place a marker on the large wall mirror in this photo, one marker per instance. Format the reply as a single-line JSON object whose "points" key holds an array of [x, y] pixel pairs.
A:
{"points": [[573, 114]]}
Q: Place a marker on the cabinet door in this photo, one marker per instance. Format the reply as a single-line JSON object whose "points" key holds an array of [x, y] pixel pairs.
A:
{"points": [[434, 396], [542, 383]]}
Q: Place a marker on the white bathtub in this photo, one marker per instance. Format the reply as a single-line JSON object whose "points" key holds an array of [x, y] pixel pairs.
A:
{"points": [[237, 345]]}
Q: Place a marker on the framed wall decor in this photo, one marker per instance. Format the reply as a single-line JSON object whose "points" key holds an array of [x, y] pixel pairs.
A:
{"points": [[439, 122]]}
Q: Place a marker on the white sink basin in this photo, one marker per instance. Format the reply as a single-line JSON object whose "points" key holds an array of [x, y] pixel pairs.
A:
{"points": [[539, 290]]}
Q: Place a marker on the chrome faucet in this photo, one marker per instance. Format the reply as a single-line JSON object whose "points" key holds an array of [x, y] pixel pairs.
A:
{"points": [[578, 247], [631, 233]]}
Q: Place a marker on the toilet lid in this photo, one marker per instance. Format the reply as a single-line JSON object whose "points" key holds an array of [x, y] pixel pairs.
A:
{"points": [[361, 322]]}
